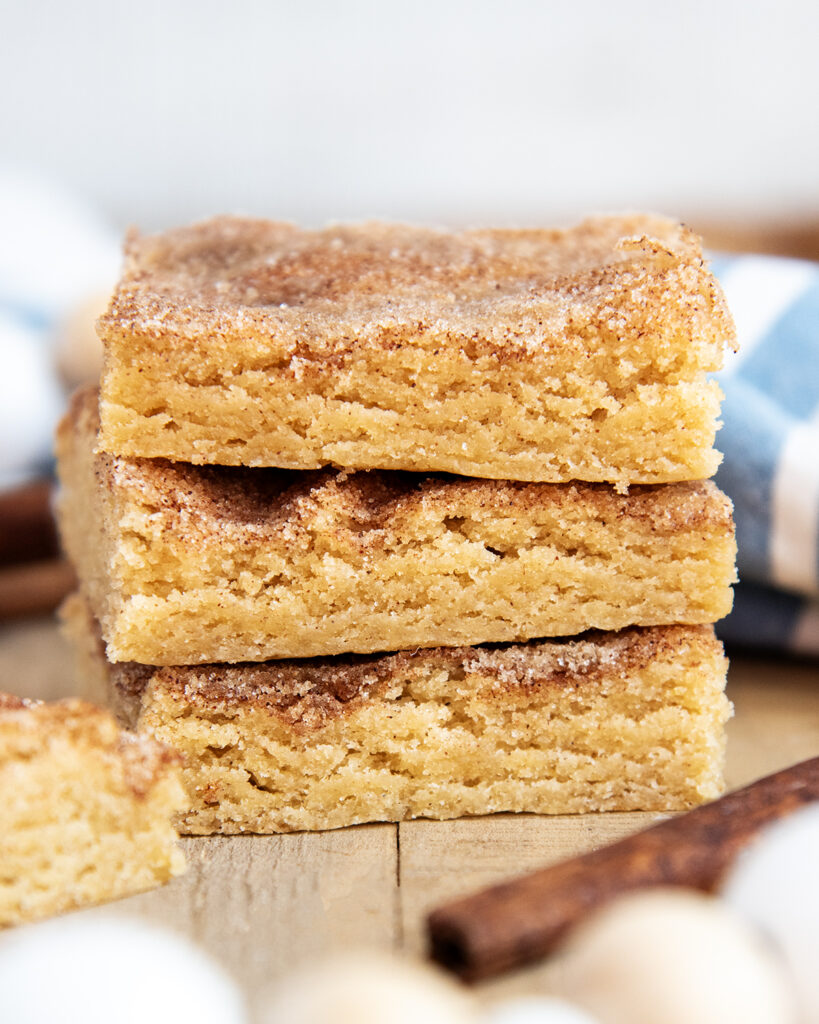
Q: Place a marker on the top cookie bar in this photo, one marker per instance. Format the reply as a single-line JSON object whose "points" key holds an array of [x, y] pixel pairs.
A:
{"points": [[526, 355]]}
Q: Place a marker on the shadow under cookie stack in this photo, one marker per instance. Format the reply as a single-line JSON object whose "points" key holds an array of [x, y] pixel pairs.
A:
{"points": [[379, 522]]}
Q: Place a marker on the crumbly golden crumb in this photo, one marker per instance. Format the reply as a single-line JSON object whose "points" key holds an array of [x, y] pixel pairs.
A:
{"points": [[532, 355], [607, 721], [87, 809], [186, 564]]}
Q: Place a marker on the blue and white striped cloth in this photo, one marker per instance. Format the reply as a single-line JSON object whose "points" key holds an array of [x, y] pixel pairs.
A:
{"points": [[770, 440]]}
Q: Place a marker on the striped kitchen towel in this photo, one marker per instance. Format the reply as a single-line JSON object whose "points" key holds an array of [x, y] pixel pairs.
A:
{"points": [[770, 440]]}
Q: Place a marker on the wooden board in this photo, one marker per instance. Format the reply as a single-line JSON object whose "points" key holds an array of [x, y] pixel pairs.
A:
{"points": [[264, 904]]}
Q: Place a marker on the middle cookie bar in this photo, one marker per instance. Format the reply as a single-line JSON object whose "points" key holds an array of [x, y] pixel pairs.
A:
{"points": [[192, 564]]}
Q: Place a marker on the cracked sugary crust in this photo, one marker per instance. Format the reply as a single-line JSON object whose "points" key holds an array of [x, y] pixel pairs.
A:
{"points": [[577, 354], [27, 726], [308, 693], [231, 274], [200, 503]]}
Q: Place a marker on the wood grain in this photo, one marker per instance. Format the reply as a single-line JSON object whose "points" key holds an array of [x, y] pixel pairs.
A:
{"points": [[522, 920], [262, 904], [442, 860]]}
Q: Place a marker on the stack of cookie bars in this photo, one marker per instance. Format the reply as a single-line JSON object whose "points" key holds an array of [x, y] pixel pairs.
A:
{"points": [[376, 522]]}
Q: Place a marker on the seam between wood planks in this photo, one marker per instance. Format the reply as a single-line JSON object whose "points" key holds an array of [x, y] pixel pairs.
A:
{"points": [[398, 907]]}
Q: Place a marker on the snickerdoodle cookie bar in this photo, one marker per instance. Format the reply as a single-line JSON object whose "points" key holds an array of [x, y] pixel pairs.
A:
{"points": [[606, 721], [525, 355], [86, 811]]}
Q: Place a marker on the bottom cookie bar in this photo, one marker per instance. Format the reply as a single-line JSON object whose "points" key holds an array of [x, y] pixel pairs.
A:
{"points": [[86, 809], [608, 721]]}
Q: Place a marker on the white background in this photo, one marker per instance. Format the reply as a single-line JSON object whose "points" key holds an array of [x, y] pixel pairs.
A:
{"points": [[444, 111]]}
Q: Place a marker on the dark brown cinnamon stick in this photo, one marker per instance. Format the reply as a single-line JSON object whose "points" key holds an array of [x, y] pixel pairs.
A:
{"points": [[35, 588], [517, 922], [27, 529]]}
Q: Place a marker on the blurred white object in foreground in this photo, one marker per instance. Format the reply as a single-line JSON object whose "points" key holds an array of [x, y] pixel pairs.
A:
{"points": [[537, 1010], [86, 969], [368, 988], [775, 883], [677, 957]]}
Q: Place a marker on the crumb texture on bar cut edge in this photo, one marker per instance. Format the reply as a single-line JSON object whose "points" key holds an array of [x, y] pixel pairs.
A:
{"points": [[87, 809], [628, 721], [578, 354], [185, 564]]}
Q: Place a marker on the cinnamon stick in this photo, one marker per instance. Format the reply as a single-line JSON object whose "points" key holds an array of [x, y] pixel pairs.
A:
{"points": [[511, 924], [35, 588], [27, 529]]}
